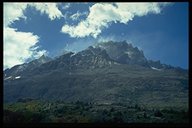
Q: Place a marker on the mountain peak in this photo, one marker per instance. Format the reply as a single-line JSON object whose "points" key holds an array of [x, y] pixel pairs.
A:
{"points": [[101, 55], [20, 69], [43, 56], [123, 52], [43, 59]]}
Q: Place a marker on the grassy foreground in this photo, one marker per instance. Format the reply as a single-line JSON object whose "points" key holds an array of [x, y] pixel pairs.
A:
{"points": [[79, 112]]}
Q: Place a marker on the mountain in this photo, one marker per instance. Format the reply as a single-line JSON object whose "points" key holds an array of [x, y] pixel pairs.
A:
{"points": [[109, 72], [124, 53], [19, 70]]}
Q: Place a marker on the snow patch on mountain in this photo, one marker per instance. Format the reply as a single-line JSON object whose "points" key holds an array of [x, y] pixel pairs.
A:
{"points": [[17, 77], [8, 78], [129, 53], [72, 54], [156, 69]]}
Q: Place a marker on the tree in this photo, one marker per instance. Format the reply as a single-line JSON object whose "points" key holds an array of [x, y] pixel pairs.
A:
{"points": [[158, 114], [145, 115]]}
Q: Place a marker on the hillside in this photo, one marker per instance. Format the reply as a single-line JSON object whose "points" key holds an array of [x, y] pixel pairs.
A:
{"points": [[109, 73]]}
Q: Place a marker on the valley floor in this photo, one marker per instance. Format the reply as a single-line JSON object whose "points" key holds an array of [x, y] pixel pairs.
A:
{"points": [[79, 112]]}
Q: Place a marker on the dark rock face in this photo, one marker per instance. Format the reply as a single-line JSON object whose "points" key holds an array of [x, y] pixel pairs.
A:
{"points": [[26, 67], [110, 72], [124, 53]]}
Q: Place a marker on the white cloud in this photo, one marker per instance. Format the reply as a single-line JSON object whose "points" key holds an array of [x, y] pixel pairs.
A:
{"points": [[109, 38], [20, 46], [50, 9], [12, 12], [76, 45], [77, 15], [17, 47], [102, 14], [66, 6]]}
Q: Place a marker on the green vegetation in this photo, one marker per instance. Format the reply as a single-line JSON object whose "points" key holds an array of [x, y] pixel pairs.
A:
{"points": [[79, 112]]}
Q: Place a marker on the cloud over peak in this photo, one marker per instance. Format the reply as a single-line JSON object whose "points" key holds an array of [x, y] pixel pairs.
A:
{"points": [[102, 14], [17, 46]]}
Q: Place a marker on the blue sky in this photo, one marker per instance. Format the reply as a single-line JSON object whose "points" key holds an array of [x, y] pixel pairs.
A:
{"points": [[159, 29]]}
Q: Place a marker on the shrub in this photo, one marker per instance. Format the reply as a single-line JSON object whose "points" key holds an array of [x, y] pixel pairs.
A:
{"points": [[158, 114]]}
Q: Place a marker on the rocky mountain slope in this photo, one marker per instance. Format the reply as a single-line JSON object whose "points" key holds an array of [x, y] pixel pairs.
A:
{"points": [[110, 72], [18, 70]]}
